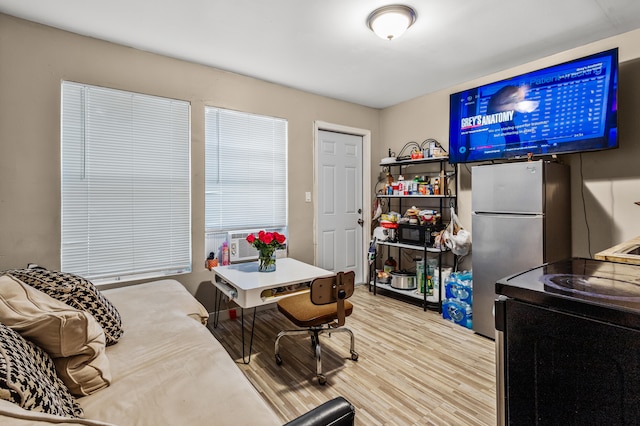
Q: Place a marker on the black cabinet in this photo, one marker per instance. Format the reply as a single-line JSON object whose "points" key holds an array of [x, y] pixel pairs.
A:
{"points": [[568, 345], [568, 370]]}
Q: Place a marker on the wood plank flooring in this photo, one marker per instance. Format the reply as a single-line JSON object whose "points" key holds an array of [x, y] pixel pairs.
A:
{"points": [[414, 368]]}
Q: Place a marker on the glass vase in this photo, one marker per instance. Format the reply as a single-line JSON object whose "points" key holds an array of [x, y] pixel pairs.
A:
{"points": [[266, 262]]}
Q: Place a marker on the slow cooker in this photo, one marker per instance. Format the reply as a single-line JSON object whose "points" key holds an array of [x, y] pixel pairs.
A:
{"points": [[403, 280]]}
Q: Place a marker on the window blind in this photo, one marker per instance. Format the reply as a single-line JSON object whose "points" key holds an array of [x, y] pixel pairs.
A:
{"points": [[246, 171], [126, 189]]}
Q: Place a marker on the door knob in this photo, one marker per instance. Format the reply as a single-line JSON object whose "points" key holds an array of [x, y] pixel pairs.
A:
{"points": [[360, 222]]}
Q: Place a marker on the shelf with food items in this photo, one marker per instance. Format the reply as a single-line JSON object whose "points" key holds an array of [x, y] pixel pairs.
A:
{"points": [[416, 227], [420, 186], [421, 282], [413, 246], [417, 230], [425, 178], [414, 196], [413, 215], [413, 293], [430, 150], [392, 161]]}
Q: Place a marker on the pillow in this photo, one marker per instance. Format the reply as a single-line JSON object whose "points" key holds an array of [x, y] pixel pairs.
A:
{"points": [[71, 337], [28, 378], [77, 292]]}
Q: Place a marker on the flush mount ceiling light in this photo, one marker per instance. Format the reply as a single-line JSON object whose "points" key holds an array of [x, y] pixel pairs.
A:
{"points": [[392, 21]]}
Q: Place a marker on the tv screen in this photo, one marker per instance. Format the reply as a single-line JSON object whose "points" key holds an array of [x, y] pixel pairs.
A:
{"points": [[570, 107]]}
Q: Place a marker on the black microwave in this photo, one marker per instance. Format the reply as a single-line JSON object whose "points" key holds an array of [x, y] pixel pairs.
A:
{"points": [[414, 234], [418, 235]]}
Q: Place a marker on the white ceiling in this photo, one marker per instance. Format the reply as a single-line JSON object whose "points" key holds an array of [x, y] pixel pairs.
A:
{"points": [[325, 47]]}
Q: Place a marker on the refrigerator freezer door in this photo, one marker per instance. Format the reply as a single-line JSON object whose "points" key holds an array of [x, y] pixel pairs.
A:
{"points": [[502, 245], [508, 188]]}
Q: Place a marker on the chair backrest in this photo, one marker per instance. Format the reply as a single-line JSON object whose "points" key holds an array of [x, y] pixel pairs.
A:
{"points": [[333, 289]]}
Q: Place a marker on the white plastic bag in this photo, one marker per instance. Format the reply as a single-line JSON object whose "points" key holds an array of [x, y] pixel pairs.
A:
{"points": [[455, 237]]}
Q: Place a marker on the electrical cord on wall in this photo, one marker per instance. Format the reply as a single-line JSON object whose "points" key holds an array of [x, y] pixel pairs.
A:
{"points": [[409, 144], [584, 207], [416, 146], [425, 144]]}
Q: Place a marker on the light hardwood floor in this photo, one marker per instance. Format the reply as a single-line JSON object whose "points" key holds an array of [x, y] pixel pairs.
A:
{"points": [[414, 368]]}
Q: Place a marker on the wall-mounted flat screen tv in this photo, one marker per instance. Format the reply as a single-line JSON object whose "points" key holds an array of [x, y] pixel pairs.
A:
{"points": [[569, 107]]}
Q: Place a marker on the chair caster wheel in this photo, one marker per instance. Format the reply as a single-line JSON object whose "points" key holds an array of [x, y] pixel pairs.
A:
{"points": [[354, 355], [278, 359], [322, 380]]}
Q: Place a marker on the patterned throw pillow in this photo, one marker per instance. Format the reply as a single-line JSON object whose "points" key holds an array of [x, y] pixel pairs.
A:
{"points": [[77, 292], [72, 338], [28, 378]]}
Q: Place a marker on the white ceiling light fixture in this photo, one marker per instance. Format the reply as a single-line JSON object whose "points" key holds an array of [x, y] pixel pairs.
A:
{"points": [[391, 21]]}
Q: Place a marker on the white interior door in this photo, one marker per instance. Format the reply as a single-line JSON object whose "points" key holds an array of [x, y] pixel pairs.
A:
{"points": [[339, 212]]}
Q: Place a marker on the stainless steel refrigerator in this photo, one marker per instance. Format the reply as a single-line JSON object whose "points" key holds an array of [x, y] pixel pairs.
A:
{"points": [[521, 218]]}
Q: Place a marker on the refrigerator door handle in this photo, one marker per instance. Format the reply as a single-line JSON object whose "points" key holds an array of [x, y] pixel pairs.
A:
{"points": [[506, 214]]}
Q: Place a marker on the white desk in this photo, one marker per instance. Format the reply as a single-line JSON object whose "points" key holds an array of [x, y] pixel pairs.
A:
{"points": [[242, 283]]}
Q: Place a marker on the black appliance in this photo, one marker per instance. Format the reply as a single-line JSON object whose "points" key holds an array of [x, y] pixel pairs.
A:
{"points": [[412, 234], [418, 235], [568, 344]]}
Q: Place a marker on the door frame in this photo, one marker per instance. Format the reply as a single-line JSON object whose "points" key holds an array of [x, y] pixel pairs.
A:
{"points": [[366, 185]]}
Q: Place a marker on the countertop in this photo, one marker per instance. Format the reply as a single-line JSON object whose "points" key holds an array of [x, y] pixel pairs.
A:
{"points": [[619, 253], [599, 289]]}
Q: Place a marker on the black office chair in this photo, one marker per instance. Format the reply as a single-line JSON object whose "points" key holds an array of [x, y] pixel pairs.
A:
{"points": [[323, 310]]}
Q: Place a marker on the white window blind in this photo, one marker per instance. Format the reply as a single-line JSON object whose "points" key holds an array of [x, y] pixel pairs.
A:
{"points": [[246, 171], [126, 196]]}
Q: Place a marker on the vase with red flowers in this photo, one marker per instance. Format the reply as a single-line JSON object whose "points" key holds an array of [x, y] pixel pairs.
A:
{"points": [[267, 243]]}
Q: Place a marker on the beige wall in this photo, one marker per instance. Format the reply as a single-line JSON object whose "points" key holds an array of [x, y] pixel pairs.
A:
{"points": [[33, 61], [611, 179]]}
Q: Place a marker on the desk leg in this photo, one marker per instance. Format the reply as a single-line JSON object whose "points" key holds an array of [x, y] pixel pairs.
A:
{"points": [[216, 319], [253, 323], [216, 312]]}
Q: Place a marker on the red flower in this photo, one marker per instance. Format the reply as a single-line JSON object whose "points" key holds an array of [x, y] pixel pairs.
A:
{"points": [[267, 237], [266, 242]]}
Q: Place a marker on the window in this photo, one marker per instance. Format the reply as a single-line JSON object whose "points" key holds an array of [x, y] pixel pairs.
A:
{"points": [[126, 189], [246, 171]]}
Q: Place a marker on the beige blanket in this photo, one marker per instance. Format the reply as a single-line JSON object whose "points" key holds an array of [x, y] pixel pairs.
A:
{"points": [[167, 369]]}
